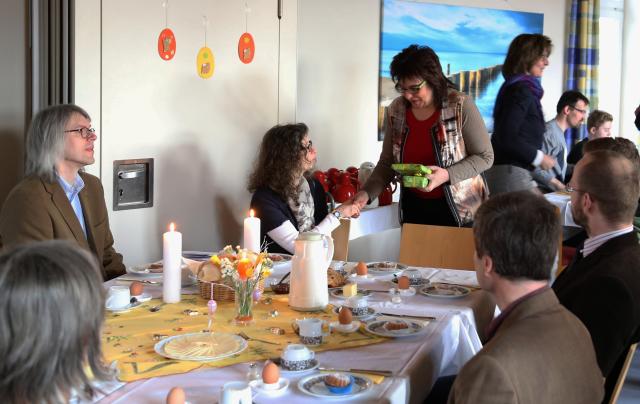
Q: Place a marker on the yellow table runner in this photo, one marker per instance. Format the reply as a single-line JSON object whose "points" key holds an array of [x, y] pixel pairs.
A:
{"points": [[129, 337]]}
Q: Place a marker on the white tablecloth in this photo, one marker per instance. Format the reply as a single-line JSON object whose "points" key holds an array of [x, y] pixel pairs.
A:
{"points": [[447, 344], [563, 202]]}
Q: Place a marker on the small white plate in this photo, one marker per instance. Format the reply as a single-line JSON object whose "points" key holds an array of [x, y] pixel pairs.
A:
{"points": [[378, 328], [445, 291], [345, 328], [279, 388], [314, 386], [145, 297], [385, 268], [337, 292], [122, 309], [407, 292], [299, 372], [234, 342]]}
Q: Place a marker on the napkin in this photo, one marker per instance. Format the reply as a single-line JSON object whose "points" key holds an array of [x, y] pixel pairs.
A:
{"points": [[457, 277]]}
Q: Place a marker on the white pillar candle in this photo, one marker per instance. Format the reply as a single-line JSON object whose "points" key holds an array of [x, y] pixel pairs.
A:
{"points": [[252, 232], [171, 261]]}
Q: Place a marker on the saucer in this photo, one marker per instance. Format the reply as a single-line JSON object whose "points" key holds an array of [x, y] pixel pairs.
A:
{"points": [[345, 328], [124, 308], [370, 312], [145, 297], [277, 389]]}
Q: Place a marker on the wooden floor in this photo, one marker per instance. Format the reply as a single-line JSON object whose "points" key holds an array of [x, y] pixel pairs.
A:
{"points": [[631, 389]]}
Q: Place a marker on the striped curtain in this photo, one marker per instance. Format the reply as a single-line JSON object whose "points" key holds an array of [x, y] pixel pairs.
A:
{"points": [[581, 69]]}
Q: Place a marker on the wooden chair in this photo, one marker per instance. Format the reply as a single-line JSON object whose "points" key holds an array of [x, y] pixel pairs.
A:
{"points": [[437, 246], [340, 237], [623, 374]]}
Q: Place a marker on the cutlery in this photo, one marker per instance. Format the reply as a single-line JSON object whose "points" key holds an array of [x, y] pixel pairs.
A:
{"points": [[370, 371], [406, 316], [139, 280], [472, 288], [248, 338]]}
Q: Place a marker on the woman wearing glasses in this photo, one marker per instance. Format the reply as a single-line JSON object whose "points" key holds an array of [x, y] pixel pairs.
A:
{"points": [[285, 197], [518, 119], [432, 124]]}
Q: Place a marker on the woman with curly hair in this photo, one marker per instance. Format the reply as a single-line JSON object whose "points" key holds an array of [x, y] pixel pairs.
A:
{"points": [[518, 118], [285, 197], [432, 124]]}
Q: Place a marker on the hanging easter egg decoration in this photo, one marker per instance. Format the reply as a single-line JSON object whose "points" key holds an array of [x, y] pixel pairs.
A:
{"points": [[166, 39], [246, 48], [166, 44], [205, 63]]}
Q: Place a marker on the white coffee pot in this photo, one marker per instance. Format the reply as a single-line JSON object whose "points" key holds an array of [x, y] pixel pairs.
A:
{"points": [[312, 256]]}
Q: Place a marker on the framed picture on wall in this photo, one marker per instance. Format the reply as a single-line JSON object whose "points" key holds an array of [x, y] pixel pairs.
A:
{"points": [[471, 43]]}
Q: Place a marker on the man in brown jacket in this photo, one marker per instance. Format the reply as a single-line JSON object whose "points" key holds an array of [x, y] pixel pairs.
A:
{"points": [[537, 351], [56, 200]]}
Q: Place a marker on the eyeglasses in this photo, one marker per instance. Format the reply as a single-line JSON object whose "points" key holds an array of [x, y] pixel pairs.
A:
{"points": [[85, 133], [583, 111], [308, 146], [571, 189], [411, 89]]}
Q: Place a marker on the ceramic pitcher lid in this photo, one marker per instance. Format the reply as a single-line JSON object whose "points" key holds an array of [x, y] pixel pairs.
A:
{"points": [[309, 236]]}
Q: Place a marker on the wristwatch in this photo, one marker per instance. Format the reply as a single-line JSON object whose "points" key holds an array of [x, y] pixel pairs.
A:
{"points": [[337, 214]]}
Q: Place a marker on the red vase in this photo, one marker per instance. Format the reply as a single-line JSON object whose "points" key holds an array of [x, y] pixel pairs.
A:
{"points": [[343, 191], [386, 196]]}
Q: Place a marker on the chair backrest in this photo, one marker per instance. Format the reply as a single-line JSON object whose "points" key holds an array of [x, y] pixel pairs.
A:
{"points": [[437, 246], [623, 374], [340, 237]]}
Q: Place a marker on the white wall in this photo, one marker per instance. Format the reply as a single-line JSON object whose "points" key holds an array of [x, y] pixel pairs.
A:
{"points": [[629, 97], [203, 134], [338, 57]]}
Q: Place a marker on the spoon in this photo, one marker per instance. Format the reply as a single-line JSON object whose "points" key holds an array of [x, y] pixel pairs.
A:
{"points": [[284, 277]]}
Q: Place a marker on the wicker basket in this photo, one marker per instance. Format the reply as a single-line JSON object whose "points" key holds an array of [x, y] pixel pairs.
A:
{"points": [[221, 291]]}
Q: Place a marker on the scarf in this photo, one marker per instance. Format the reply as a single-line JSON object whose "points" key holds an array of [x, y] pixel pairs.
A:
{"points": [[533, 83], [304, 210]]}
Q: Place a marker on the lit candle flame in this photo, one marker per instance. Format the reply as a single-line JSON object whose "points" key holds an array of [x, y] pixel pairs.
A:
{"points": [[172, 227], [251, 213]]}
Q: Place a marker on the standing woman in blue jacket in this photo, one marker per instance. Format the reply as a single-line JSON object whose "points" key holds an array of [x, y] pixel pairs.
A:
{"points": [[518, 119]]}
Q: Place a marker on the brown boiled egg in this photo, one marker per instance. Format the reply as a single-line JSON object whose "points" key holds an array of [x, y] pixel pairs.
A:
{"points": [[361, 268], [270, 373], [136, 288], [345, 316], [403, 282], [176, 396]]}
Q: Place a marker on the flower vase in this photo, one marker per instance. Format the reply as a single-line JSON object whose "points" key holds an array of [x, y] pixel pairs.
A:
{"points": [[244, 302]]}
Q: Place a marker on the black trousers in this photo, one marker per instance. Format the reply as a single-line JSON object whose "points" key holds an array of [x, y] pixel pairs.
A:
{"points": [[426, 211]]}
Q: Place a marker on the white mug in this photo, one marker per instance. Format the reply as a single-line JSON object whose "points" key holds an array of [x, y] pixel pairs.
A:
{"points": [[235, 393], [297, 352], [118, 297], [311, 327]]}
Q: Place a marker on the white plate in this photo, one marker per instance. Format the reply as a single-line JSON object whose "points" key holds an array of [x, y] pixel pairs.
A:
{"points": [[242, 345], [446, 291], [281, 387], [284, 258], [377, 328], [299, 372], [123, 309], [197, 255], [145, 272], [337, 292], [370, 313], [145, 297], [349, 328], [385, 268], [314, 386]]}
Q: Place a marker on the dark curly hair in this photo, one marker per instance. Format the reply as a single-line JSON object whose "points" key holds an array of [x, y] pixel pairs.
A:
{"points": [[524, 51], [280, 160], [421, 61]]}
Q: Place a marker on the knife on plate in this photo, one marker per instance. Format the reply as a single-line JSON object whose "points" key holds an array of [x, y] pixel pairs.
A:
{"points": [[387, 373], [406, 316]]}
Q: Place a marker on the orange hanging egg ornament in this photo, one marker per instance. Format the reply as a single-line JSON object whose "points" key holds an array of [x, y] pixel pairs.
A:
{"points": [[246, 48], [166, 44]]}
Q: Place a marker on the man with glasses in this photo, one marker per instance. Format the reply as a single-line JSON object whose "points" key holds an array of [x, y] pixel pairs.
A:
{"points": [[57, 199], [602, 284], [571, 111]]}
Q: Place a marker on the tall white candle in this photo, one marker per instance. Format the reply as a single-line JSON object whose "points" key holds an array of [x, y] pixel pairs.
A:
{"points": [[252, 232], [172, 261]]}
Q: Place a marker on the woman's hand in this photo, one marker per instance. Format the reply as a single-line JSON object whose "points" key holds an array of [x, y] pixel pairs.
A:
{"points": [[437, 177], [349, 209]]}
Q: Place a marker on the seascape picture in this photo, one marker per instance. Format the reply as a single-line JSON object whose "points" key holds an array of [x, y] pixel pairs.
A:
{"points": [[471, 43]]}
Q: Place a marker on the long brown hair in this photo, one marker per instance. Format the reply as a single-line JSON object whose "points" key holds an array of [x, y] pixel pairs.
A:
{"points": [[421, 61], [279, 162], [523, 52]]}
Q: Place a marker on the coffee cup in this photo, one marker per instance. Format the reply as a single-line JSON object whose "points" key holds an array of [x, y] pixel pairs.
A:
{"points": [[359, 305], [297, 357], [118, 297], [311, 330], [235, 393]]}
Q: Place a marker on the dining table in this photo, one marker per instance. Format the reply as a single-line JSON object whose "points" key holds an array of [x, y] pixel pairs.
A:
{"points": [[452, 328]]}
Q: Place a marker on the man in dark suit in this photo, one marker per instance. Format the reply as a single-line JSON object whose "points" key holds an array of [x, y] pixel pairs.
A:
{"points": [[602, 285], [56, 199], [537, 351]]}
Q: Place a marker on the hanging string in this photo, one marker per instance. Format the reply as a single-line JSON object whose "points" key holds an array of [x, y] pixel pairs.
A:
{"points": [[165, 5], [247, 10], [205, 24]]}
